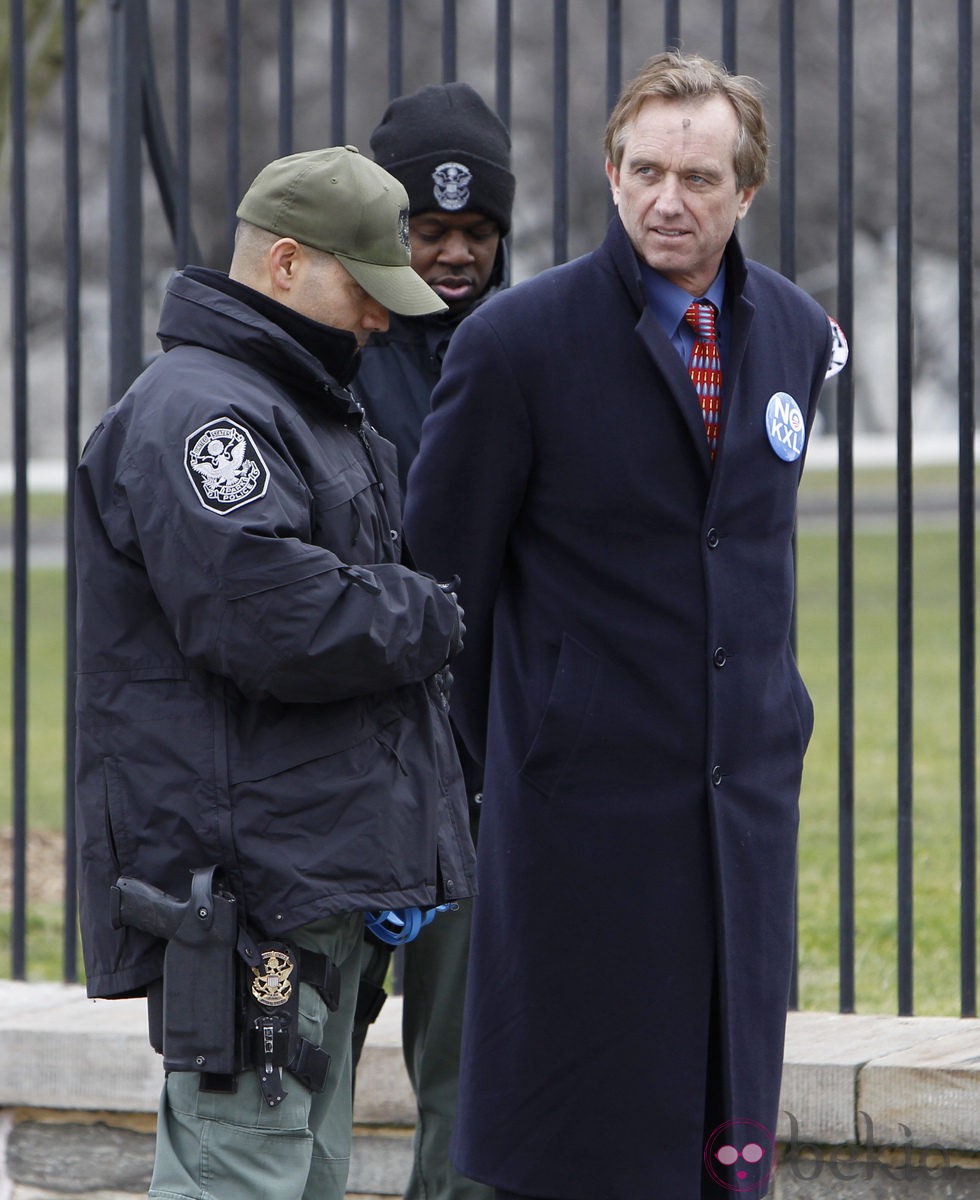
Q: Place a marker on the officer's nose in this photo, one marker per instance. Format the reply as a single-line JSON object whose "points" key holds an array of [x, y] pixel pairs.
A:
{"points": [[455, 248]]}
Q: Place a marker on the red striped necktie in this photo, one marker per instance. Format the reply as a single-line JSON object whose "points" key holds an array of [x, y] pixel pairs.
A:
{"points": [[705, 367]]}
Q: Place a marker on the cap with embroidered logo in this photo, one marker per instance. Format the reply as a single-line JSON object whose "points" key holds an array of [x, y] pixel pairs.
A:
{"points": [[450, 150], [342, 203]]}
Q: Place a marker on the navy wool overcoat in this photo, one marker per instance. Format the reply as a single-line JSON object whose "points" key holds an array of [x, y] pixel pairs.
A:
{"points": [[629, 683]]}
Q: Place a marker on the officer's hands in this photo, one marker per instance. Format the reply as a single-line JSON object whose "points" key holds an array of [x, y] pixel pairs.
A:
{"points": [[456, 643]]}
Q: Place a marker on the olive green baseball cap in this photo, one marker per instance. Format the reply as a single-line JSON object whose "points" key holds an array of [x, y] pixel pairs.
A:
{"points": [[338, 201]]}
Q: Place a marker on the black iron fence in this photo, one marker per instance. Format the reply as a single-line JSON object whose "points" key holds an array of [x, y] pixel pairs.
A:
{"points": [[873, 113]]}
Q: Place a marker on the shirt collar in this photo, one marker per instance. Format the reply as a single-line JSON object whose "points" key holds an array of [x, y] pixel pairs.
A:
{"points": [[669, 303]]}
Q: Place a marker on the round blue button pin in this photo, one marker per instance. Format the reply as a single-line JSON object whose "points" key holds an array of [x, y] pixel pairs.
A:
{"points": [[785, 426]]}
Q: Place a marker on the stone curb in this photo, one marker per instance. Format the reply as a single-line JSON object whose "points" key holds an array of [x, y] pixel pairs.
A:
{"points": [[848, 1080]]}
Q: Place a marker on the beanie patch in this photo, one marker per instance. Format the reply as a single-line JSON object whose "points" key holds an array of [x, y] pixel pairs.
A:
{"points": [[452, 180]]}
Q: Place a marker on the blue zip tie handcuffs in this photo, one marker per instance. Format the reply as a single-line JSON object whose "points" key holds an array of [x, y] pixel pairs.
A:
{"points": [[396, 926]]}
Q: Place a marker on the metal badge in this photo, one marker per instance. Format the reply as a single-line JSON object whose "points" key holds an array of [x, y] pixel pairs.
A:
{"points": [[271, 985]]}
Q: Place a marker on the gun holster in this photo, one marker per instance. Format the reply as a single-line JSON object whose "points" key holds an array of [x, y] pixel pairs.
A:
{"points": [[226, 1001]]}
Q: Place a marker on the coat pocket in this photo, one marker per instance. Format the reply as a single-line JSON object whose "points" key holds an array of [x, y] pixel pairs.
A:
{"points": [[122, 844], [565, 717]]}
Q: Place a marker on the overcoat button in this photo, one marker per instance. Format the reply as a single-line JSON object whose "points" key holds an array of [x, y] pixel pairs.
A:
{"points": [[720, 657], [716, 776], [712, 538]]}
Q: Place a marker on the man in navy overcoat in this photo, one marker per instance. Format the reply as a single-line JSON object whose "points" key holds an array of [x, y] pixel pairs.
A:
{"points": [[628, 678]]}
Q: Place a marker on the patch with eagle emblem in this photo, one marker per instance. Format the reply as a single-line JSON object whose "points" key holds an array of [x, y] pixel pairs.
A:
{"points": [[223, 463]]}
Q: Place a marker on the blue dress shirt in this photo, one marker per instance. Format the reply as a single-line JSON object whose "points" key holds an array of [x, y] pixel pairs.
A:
{"points": [[669, 303]]}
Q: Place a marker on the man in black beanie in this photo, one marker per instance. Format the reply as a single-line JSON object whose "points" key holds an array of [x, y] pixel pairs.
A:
{"points": [[452, 155]]}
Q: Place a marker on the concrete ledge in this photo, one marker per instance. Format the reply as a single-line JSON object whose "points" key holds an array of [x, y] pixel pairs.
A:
{"points": [[918, 1074], [850, 1081], [61, 1050]]}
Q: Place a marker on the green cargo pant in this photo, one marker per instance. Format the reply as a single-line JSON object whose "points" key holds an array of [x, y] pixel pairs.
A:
{"points": [[212, 1146], [434, 983]]}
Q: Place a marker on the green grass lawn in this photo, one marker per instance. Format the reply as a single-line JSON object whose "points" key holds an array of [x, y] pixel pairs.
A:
{"points": [[936, 760], [936, 787]]}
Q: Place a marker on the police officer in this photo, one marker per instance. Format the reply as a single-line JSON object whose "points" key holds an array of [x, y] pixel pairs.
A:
{"points": [[261, 715], [452, 154]]}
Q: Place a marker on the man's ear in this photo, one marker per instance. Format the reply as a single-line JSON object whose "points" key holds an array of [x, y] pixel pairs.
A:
{"points": [[612, 174], [283, 260], [748, 194]]}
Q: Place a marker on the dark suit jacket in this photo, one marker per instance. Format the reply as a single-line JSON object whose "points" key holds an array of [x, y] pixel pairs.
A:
{"points": [[629, 682]]}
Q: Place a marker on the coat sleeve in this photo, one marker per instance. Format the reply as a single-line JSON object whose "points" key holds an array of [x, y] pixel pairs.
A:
{"points": [[250, 594], [465, 491]]}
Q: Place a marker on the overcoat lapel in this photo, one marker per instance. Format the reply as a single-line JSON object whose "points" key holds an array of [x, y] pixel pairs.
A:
{"points": [[734, 398], [656, 342], [666, 359], [675, 375]]}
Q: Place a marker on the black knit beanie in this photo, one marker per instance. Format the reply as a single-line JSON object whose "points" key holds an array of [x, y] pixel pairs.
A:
{"points": [[449, 151]]}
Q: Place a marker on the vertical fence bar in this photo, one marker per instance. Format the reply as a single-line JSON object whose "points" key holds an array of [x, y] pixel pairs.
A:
{"points": [[614, 52], [967, 521], [338, 71], [502, 85], [395, 48], [182, 125], [172, 171], [126, 63], [286, 77], [233, 123], [73, 272], [729, 34], [845, 508], [560, 139], [18, 310], [787, 138], [614, 69], [787, 254], [449, 40], [672, 24], [904, 438]]}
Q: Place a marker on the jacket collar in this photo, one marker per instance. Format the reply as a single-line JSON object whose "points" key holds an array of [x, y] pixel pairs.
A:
{"points": [[620, 249], [205, 308]]}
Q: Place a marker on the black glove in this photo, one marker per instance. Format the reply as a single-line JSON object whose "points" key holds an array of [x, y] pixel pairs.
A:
{"points": [[456, 644]]}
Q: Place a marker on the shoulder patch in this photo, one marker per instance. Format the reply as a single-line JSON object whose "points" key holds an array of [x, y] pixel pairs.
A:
{"points": [[224, 465]]}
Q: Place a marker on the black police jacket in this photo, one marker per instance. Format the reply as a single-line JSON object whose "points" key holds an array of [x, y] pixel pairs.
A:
{"points": [[400, 367], [258, 675]]}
